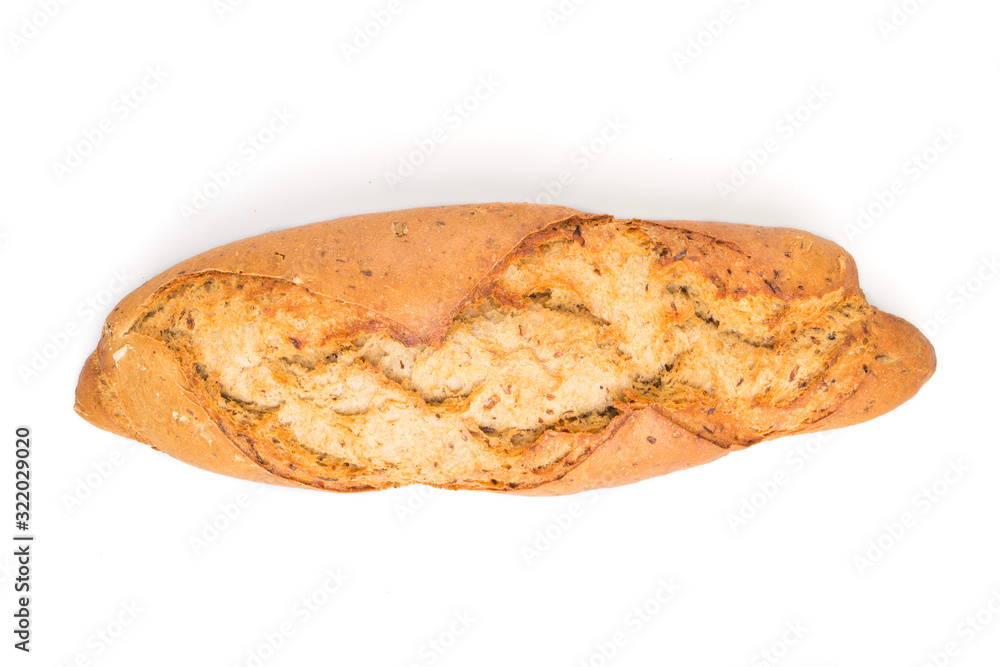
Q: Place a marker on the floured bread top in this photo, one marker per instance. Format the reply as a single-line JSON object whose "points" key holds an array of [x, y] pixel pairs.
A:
{"points": [[572, 332]]}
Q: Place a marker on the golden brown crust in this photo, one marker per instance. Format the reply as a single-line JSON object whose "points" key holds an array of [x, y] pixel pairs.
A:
{"points": [[414, 267], [417, 269], [641, 445], [90, 403], [793, 262], [904, 361]]}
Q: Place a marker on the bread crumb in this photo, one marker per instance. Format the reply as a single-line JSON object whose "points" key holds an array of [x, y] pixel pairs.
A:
{"points": [[117, 356]]}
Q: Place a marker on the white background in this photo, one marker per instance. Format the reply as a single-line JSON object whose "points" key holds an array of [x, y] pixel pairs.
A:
{"points": [[115, 522]]}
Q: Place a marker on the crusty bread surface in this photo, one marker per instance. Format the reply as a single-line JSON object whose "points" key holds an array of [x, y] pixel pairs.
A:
{"points": [[518, 348]]}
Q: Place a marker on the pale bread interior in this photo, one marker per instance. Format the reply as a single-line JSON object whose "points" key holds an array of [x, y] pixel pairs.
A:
{"points": [[573, 333]]}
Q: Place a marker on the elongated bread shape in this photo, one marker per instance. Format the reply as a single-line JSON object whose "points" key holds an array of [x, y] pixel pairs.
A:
{"points": [[507, 347]]}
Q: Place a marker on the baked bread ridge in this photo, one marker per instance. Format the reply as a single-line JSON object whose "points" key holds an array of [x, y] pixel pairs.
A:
{"points": [[402, 280]]}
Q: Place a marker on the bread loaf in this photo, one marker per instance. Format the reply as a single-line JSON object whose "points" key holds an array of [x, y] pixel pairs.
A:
{"points": [[517, 348]]}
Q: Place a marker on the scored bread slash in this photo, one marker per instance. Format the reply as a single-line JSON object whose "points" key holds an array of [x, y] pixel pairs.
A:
{"points": [[517, 348]]}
